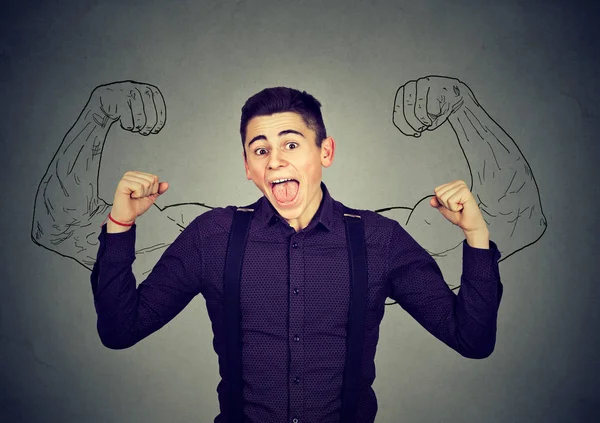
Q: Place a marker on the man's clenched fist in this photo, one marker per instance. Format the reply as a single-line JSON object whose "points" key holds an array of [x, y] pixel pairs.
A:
{"points": [[139, 107], [456, 203], [135, 194]]}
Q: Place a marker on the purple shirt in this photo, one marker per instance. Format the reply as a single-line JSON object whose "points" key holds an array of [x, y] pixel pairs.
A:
{"points": [[294, 302]]}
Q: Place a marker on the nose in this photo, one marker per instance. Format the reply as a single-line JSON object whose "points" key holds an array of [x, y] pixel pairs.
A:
{"points": [[276, 159]]}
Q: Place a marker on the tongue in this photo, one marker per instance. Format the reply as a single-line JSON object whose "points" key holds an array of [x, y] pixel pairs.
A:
{"points": [[286, 191]]}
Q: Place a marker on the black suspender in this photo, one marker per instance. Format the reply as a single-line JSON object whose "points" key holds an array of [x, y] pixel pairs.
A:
{"points": [[357, 255], [238, 236]]}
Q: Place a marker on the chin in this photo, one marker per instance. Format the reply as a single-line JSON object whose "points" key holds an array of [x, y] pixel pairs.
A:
{"points": [[287, 212]]}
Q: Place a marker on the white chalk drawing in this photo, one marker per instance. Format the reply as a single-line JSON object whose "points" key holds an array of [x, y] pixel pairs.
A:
{"points": [[68, 212]]}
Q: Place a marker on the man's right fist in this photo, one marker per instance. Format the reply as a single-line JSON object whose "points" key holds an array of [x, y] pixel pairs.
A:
{"points": [[139, 107], [135, 194]]}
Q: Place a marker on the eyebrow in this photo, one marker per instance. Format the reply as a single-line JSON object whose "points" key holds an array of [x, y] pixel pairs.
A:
{"points": [[282, 133]]}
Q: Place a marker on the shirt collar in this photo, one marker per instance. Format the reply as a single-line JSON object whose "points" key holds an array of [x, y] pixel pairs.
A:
{"points": [[323, 217]]}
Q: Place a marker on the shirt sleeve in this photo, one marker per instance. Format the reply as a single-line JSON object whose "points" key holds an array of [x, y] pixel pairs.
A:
{"points": [[465, 322], [127, 314]]}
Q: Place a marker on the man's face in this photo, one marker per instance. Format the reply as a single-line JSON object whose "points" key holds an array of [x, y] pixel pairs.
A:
{"points": [[281, 147]]}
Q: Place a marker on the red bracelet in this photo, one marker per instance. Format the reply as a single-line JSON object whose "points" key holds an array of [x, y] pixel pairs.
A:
{"points": [[120, 223]]}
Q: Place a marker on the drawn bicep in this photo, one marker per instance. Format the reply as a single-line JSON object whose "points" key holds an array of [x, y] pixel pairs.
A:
{"points": [[182, 214], [399, 214], [156, 230], [77, 238], [431, 230]]}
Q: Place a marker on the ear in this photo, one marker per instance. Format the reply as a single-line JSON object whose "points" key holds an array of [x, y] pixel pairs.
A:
{"points": [[246, 166], [327, 151]]}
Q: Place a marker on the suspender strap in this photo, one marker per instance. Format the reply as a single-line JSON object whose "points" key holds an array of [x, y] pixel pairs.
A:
{"points": [[357, 253], [238, 236], [357, 256]]}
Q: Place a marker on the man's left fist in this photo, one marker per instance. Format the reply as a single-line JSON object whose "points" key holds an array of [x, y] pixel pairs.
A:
{"points": [[456, 203]]}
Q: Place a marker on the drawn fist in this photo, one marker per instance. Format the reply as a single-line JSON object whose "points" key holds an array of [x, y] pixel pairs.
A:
{"points": [[426, 103], [139, 107]]}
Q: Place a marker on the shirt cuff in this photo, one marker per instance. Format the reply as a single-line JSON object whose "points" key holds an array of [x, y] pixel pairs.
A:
{"points": [[481, 263], [117, 247]]}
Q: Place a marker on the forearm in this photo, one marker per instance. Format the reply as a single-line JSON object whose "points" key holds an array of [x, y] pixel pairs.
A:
{"points": [[114, 289], [496, 163], [478, 302], [502, 181], [73, 172], [467, 322], [67, 196]]}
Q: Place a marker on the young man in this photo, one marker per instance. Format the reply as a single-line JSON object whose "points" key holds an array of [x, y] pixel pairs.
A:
{"points": [[295, 278]]}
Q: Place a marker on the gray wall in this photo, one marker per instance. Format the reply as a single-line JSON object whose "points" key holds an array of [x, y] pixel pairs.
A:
{"points": [[532, 65]]}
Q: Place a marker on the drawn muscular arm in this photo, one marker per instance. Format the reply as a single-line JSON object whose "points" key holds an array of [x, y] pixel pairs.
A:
{"points": [[68, 212], [501, 179]]}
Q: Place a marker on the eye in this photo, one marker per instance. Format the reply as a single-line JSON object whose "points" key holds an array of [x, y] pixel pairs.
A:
{"points": [[260, 151], [292, 145]]}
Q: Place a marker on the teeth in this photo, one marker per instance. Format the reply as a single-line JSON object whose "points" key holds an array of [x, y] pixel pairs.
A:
{"points": [[278, 181]]}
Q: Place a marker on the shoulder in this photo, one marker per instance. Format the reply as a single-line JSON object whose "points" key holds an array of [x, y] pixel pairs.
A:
{"points": [[387, 236], [375, 224], [218, 219], [213, 222]]}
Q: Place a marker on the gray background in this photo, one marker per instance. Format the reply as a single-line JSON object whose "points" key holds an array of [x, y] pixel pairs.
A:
{"points": [[532, 65]]}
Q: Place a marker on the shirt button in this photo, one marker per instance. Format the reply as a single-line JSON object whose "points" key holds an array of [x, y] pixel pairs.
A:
{"points": [[296, 291], [295, 420], [295, 245], [296, 338], [297, 379]]}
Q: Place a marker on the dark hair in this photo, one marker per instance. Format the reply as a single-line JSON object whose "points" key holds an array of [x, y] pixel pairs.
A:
{"points": [[280, 100]]}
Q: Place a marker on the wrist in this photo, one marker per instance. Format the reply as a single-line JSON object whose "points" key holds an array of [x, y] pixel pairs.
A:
{"points": [[93, 113], [114, 225], [466, 101], [113, 228], [479, 238]]}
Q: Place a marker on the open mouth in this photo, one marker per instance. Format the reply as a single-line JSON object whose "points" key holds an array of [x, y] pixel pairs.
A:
{"points": [[285, 190]]}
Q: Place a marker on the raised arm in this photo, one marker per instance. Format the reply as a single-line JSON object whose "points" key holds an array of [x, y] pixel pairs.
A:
{"points": [[68, 211], [501, 179], [127, 312]]}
